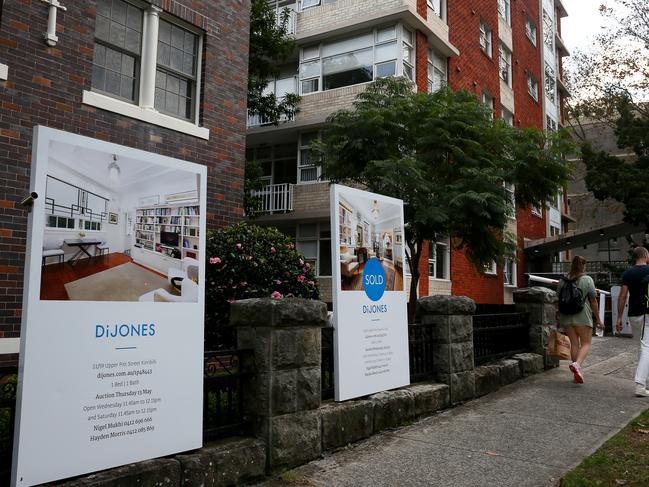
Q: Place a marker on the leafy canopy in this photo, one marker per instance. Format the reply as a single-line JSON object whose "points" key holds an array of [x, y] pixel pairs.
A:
{"points": [[448, 160]]}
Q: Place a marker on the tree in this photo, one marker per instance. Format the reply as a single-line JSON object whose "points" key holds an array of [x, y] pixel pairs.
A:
{"points": [[611, 84], [270, 46], [448, 160]]}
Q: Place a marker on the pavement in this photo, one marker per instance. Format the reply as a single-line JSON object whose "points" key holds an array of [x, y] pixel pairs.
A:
{"points": [[529, 433]]}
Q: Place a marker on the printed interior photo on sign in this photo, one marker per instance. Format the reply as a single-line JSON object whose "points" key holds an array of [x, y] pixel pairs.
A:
{"points": [[369, 229], [118, 229]]}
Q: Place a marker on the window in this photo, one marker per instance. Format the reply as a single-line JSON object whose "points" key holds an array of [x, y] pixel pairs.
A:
{"points": [[485, 38], [175, 81], [554, 231], [437, 6], [505, 65], [550, 84], [530, 30], [59, 222], [308, 170], [377, 54], [437, 76], [278, 163], [489, 101], [509, 271], [491, 268], [437, 260], [550, 124], [408, 54], [548, 31], [89, 225], [313, 242], [504, 10], [532, 86], [536, 211], [508, 117], [309, 3], [116, 59], [126, 37]]}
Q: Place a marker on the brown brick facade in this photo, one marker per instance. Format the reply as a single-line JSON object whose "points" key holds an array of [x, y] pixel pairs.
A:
{"points": [[45, 87]]}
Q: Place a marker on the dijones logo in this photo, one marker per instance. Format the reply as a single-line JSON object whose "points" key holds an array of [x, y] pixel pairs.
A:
{"points": [[374, 279]]}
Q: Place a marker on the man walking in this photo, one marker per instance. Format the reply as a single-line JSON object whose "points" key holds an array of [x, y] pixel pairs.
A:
{"points": [[632, 283]]}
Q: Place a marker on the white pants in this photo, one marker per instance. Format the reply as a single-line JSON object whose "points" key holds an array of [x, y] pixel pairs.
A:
{"points": [[637, 324]]}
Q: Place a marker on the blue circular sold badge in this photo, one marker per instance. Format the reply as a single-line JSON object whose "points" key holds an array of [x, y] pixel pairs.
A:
{"points": [[374, 279]]}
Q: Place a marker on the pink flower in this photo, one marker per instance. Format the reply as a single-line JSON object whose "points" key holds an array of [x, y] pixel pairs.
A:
{"points": [[215, 260], [300, 278], [311, 283], [239, 246], [276, 295], [231, 300], [273, 250], [301, 262], [307, 266], [278, 281], [243, 284]]}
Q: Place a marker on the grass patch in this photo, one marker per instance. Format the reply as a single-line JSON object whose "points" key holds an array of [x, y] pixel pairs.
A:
{"points": [[622, 460]]}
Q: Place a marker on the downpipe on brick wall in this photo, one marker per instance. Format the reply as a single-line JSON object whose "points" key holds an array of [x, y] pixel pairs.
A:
{"points": [[50, 36]]}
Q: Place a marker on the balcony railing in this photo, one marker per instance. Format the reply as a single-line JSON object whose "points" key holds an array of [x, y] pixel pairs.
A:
{"points": [[275, 198], [291, 25]]}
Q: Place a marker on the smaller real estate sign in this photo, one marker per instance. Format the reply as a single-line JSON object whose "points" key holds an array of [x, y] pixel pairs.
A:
{"points": [[111, 359], [370, 305]]}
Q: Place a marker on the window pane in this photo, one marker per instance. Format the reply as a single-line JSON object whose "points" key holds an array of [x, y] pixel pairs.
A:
{"points": [[347, 69], [347, 45], [386, 69], [128, 87], [310, 70], [164, 32], [113, 82], [324, 269], [386, 34], [386, 52], [99, 78], [308, 249], [310, 86], [440, 254], [103, 7], [177, 48], [102, 28], [311, 52]]}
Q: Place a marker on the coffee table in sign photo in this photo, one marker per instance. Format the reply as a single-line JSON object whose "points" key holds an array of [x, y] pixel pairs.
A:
{"points": [[82, 246]]}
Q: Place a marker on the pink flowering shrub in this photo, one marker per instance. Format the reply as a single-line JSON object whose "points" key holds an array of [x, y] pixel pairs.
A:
{"points": [[246, 261]]}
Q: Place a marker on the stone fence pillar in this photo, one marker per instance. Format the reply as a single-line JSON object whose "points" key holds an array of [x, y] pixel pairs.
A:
{"points": [[452, 334], [283, 395], [541, 305]]}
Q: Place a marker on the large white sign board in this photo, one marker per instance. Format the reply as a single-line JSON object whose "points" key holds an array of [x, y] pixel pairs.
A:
{"points": [[111, 361], [370, 305]]}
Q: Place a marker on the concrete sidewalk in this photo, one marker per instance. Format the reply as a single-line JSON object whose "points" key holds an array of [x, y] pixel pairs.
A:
{"points": [[527, 434]]}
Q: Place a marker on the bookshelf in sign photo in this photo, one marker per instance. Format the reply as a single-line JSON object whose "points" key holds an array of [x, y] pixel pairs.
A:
{"points": [[170, 230]]}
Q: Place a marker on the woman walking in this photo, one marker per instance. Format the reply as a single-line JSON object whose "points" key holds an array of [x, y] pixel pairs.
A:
{"points": [[577, 318]]}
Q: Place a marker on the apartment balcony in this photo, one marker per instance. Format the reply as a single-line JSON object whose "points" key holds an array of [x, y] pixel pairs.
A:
{"points": [[562, 9], [256, 120], [294, 202], [275, 198], [347, 16], [561, 46], [561, 86]]}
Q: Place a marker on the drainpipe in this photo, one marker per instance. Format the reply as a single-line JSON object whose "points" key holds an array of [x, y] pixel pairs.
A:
{"points": [[50, 36]]}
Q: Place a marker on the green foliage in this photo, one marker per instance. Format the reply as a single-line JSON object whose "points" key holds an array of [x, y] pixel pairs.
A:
{"points": [[247, 261], [623, 180], [270, 46], [252, 182], [447, 159]]}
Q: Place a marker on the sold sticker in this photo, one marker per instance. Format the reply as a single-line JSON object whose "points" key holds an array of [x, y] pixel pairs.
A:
{"points": [[374, 279]]}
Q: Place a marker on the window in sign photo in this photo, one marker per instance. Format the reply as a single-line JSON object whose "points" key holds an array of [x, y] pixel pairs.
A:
{"points": [[54, 221], [89, 225]]}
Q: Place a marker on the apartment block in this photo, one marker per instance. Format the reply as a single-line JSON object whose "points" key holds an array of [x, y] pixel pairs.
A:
{"points": [[493, 48], [164, 76]]}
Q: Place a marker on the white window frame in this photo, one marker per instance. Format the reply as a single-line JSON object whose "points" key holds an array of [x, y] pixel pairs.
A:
{"points": [[550, 84], [509, 276], [301, 166], [532, 86], [438, 7], [319, 226], [531, 31], [505, 64], [144, 110], [59, 217], [432, 260], [489, 101], [307, 4], [507, 116], [491, 269], [412, 65], [505, 11], [486, 38], [510, 191], [548, 30], [537, 211], [82, 225], [435, 64], [550, 124]]}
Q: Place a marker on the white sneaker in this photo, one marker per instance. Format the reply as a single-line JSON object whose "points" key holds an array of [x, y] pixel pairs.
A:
{"points": [[641, 391]]}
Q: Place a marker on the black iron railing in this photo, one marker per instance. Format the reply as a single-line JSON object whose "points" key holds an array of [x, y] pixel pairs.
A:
{"points": [[7, 416], [222, 393], [499, 335], [327, 363], [420, 341]]}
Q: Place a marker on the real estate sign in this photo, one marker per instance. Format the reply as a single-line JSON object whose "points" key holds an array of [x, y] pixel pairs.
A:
{"points": [[370, 306], [111, 354]]}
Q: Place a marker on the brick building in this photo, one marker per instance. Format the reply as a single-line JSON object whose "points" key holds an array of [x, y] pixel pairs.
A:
{"points": [[507, 52], [167, 77]]}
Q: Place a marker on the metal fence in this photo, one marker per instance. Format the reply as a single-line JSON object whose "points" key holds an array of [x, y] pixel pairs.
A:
{"points": [[421, 356], [499, 335], [7, 415], [223, 372]]}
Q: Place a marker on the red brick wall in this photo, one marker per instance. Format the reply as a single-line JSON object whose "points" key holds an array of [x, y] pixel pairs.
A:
{"points": [[421, 58], [466, 281], [422, 8], [45, 87]]}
